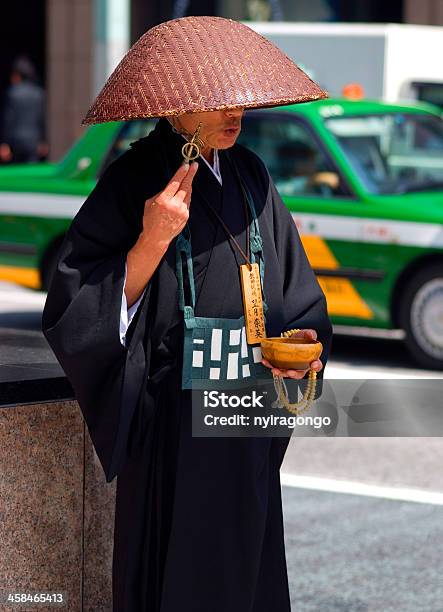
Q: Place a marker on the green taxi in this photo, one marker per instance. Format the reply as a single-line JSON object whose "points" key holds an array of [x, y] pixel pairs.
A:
{"points": [[362, 179]]}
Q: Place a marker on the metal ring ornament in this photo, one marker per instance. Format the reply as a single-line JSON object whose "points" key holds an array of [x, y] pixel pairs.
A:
{"points": [[190, 151]]}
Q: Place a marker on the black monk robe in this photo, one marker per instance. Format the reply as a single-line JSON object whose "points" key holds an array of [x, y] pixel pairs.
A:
{"points": [[198, 522]]}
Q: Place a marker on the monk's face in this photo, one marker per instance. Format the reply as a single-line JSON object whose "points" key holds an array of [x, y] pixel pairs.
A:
{"points": [[219, 129]]}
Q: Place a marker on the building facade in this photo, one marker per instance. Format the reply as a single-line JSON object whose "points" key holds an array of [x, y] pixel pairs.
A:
{"points": [[75, 44]]}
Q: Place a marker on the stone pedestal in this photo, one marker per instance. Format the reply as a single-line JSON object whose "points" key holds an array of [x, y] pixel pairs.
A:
{"points": [[56, 509]]}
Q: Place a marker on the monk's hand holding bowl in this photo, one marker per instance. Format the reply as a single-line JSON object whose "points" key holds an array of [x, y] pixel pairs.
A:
{"points": [[307, 334]]}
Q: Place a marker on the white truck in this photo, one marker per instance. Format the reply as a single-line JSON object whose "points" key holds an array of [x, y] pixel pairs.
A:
{"points": [[391, 62]]}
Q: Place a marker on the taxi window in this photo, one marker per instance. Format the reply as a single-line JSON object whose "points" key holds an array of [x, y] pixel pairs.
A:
{"points": [[294, 158], [430, 92], [392, 152]]}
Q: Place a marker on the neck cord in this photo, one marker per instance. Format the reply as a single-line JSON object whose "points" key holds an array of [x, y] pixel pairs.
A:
{"points": [[246, 255]]}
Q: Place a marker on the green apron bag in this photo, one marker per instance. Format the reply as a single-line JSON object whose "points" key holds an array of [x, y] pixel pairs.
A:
{"points": [[215, 352]]}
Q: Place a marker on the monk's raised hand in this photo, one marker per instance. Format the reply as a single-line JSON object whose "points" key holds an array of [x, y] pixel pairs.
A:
{"points": [[185, 190], [179, 187], [166, 213]]}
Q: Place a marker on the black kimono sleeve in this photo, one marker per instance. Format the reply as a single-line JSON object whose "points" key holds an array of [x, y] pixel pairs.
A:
{"points": [[304, 300], [81, 317]]}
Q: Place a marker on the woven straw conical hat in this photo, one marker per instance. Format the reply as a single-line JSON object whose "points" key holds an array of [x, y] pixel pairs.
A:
{"points": [[195, 64]]}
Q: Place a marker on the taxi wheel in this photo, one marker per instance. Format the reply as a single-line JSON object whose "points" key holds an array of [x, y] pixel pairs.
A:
{"points": [[421, 316]]}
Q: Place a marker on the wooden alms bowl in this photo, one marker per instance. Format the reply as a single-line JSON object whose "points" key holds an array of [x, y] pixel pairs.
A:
{"points": [[291, 353]]}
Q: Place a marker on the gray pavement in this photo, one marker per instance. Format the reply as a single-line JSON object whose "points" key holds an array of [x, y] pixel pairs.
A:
{"points": [[355, 553], [348, 553], [395, 462]]}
